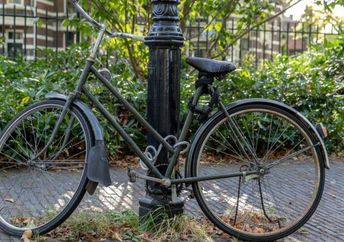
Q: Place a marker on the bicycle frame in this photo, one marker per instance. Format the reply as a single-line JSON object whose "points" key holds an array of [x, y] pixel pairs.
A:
{"points": [[137, 116], [81, 89]]}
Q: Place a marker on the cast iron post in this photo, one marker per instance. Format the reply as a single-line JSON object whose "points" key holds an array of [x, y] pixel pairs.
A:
{"points": [[164, 40]]}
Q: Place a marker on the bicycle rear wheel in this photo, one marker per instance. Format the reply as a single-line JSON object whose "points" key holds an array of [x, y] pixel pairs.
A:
{"points": [[40, 188], [265, 138]]}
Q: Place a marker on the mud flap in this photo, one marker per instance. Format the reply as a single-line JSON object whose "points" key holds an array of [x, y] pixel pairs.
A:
{"points": [[98, 168], [97, 163]]}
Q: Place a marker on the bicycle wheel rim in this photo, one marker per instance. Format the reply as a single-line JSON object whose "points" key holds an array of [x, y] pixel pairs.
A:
{"points": [[245, 233], [71, 197]]}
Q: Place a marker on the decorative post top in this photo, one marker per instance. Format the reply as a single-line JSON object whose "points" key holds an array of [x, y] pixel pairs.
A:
{"points": [[165, 30]]}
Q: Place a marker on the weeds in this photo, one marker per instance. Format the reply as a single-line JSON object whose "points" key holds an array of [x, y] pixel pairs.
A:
{"points": [[126, 225]]}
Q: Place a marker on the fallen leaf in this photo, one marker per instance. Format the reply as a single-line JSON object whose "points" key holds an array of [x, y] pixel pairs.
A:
{"points": [[27, 235], [117, 237], [9, 200], [184, 237]]}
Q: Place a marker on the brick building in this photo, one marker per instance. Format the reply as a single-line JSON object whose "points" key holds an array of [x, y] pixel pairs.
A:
{"points": [[26, 25]]}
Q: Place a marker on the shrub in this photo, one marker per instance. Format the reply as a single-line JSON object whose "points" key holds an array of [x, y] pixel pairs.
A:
{"points": [[23, 83], [313, 83]]}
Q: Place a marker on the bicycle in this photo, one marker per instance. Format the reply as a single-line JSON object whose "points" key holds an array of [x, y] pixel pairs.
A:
{"points": [[246, 163]]}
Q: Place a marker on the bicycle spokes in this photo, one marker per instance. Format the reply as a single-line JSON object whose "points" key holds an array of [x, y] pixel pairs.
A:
{"points": [[36, 155], [281, 155]]}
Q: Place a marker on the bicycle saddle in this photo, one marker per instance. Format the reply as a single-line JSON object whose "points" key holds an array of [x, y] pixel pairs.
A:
{"points": [[209, 66]]}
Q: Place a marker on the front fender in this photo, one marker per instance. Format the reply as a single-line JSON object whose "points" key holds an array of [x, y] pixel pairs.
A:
{"points": [[257, 101], [97, 162]]}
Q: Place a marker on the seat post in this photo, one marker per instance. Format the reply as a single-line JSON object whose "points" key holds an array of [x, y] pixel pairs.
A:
{"points": [[203, 81]]}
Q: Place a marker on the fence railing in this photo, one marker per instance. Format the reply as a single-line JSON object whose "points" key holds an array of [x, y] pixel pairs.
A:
{"points": [[29, 31], [25, 29], [287, 37]]}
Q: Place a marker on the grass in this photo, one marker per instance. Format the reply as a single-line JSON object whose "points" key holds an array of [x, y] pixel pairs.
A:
{"points": [[126, 225]]}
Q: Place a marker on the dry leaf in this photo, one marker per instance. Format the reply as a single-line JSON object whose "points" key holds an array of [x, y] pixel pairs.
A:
{"points": [[117, 237], [26, 236], [184, 237], [9, 200]]}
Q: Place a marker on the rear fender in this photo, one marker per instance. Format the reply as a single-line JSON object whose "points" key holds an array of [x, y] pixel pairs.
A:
{"points": [[97, 162]]}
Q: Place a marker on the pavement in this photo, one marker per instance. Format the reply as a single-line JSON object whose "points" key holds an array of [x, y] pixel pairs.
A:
{"points": [[327, 223]]}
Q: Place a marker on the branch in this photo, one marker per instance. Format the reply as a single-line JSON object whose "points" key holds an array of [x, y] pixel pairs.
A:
{"points": [[232, 5], [186, 9], [109, 15], [249, 29]]}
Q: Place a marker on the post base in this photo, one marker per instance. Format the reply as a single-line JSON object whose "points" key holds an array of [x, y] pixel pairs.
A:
{"points": [[155, 206]]}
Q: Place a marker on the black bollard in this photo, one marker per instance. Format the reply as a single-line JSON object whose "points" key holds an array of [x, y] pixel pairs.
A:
{"points": [[164, 40]]}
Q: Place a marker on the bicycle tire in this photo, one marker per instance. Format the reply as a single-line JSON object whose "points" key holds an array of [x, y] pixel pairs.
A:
{"points": [[65, 201], [210, 195]]}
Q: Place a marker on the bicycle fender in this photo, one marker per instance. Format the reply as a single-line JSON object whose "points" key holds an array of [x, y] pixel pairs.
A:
{"points": [[258, 101], [97, 162]]}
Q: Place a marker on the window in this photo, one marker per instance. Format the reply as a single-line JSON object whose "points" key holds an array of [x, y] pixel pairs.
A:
{"points": [[200, 53], [47, 2], [15, 1], [70, 38], [245, 45], [14, 50], [17, 35]]}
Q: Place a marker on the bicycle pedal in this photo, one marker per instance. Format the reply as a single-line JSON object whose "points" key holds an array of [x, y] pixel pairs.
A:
{"points": [[132, 179], [131, 175]]}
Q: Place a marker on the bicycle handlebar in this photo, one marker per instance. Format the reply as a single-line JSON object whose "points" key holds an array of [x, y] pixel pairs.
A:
{"points": [[84, 14]]}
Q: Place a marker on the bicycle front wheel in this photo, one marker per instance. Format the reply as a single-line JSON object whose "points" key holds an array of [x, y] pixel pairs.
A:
{"points": [[281, 147], [41, 183]]}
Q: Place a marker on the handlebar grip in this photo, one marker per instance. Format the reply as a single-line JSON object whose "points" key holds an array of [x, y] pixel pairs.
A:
{"points": [[84, 14]]}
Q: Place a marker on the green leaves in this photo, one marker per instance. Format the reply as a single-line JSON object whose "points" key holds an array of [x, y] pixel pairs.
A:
{"points": [[23, 83], [39, 22], [135, 16], [311, 83]]}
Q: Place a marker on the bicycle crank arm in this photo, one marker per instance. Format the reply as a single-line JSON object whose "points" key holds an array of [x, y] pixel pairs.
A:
{"points": [[133, 175]]}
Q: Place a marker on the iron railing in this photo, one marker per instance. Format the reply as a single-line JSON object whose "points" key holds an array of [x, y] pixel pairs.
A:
{"points": [[26, 29], [30, 31], [281, 36]]}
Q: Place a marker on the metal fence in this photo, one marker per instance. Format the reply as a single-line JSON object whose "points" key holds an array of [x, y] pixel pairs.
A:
{"points": [[30, 31], [279, 36]]}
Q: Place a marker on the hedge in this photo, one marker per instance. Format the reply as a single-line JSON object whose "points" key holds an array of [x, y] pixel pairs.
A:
{"points": [[312, 82]]}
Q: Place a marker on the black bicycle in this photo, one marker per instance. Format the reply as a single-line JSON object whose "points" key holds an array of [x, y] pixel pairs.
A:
{"points": [[256, 166]]}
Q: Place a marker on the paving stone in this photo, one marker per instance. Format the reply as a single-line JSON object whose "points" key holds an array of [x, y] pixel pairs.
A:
{"points": [[327, 223]]}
